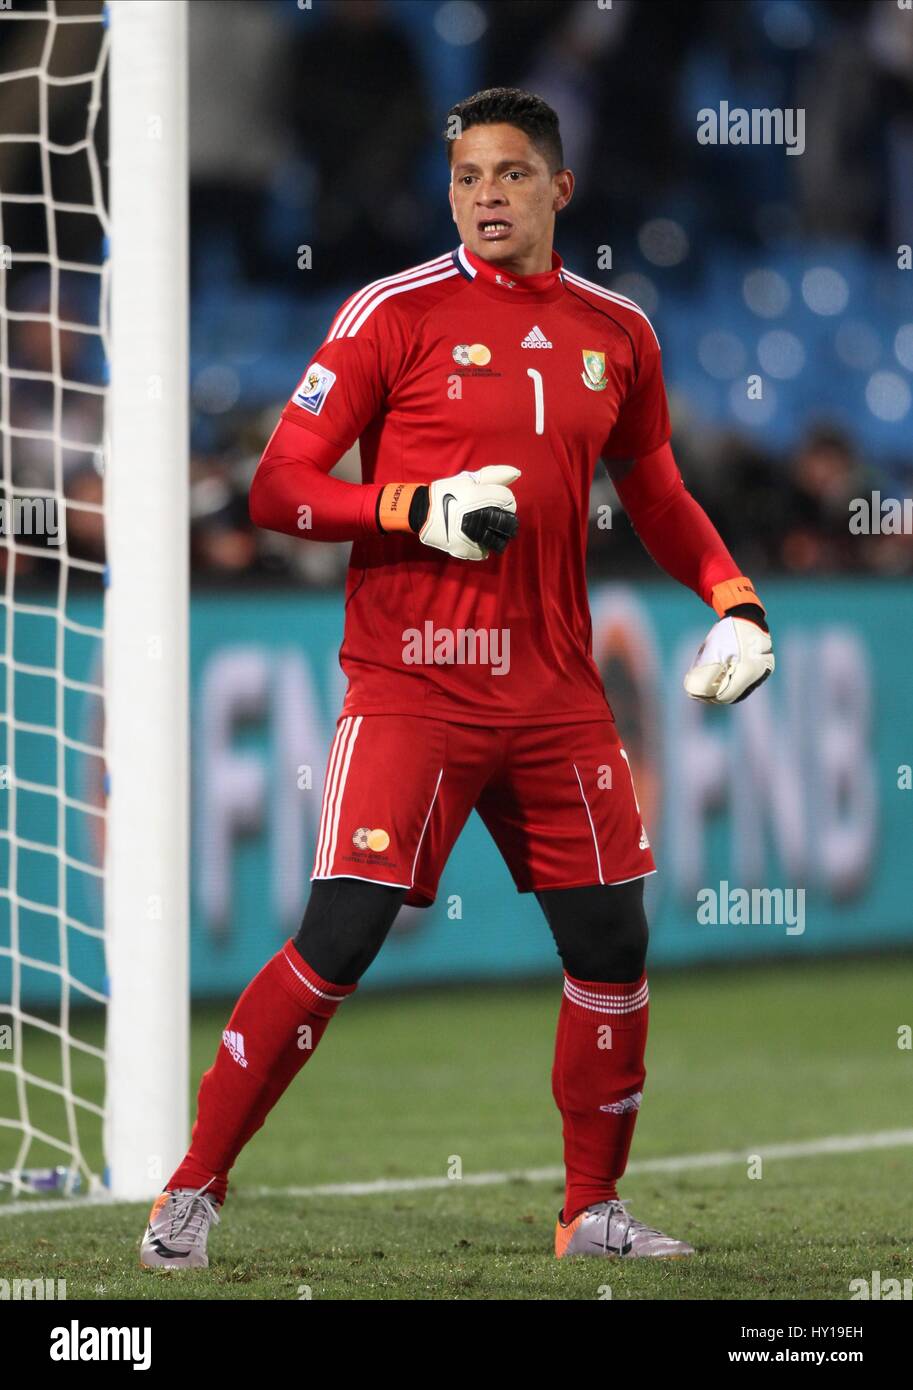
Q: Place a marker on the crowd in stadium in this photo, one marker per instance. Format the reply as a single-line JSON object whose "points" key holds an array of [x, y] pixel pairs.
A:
{"points": [[336, 144], [325, 170]]}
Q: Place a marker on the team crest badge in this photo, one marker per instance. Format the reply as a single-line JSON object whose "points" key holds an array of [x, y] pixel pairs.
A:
{"points": [[593, 374]]}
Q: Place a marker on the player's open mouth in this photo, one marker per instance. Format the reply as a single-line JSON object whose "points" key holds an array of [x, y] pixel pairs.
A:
{"points": [[494, 229]]}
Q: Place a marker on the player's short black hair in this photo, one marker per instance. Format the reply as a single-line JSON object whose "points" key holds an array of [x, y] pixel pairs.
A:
{"points": [[510, 106]]}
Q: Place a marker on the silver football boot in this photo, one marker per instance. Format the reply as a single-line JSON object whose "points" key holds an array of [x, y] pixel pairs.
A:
{"points": [[178, 1227], [607, 1229]]}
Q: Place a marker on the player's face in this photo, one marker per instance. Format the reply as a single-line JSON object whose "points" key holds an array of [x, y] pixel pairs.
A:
{"points": [[504, 198]]}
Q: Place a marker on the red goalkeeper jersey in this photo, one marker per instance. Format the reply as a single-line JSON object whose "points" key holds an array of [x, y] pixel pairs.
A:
{"points": [[453, 365]]}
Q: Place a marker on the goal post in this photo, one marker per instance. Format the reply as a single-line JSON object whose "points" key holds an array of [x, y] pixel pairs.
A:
{"points": [[146, 621]]}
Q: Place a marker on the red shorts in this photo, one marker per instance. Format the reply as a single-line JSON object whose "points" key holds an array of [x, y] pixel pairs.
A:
{"points": [[558, 801]]}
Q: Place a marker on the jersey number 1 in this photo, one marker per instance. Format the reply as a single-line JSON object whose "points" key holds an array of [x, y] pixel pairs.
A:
{"points": [[540, 401]]}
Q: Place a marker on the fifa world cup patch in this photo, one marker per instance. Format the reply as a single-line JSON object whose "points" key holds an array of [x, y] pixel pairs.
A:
{"points": [[314, 388]]}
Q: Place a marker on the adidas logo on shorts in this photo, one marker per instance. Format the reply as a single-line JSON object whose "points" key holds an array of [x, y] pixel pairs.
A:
{"points": [[535, 338]]}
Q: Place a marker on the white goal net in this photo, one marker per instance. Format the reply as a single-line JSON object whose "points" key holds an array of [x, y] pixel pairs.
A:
{"points": [[93, 616]]}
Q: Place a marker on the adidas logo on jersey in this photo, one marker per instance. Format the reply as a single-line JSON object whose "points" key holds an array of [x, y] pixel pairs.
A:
{"points": [[235, 1044], [535, 338]]}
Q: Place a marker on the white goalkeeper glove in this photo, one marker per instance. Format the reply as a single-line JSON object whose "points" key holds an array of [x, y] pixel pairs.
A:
{"points": [[733, 659], [471, 514], [467, 515]]}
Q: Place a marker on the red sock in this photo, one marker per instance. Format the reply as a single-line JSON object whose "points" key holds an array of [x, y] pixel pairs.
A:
{"points": [[265, 1045], [597, 1082]]}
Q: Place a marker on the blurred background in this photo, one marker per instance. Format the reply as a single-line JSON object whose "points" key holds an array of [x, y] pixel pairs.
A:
{"points": [[746, 259], [317, 164]]}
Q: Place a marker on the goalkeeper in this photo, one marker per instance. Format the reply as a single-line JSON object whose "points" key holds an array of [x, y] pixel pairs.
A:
{"points": [[484, 387]]}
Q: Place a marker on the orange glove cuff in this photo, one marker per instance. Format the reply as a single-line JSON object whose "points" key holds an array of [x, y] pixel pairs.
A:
{"points": [[393, 506], [732, 592]]}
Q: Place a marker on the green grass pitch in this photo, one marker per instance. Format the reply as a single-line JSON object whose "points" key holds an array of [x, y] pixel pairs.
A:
{"points": [[738, 1059]]}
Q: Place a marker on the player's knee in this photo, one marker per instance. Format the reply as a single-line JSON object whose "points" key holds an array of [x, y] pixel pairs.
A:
{"points": [[601, 932], [345, 923], [612, 957]]}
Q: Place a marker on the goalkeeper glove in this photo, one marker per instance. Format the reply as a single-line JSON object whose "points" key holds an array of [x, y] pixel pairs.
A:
{"points": [[735, 657], [467, 515]]}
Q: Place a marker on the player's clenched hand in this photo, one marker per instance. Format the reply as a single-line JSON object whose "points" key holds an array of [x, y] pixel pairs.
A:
{"points": [[733, 659], [471, 514], [468, 515]]}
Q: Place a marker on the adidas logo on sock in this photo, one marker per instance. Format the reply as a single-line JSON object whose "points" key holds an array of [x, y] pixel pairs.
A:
{"points": [[235, 1044], [623, 1107], [535, 338]]}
